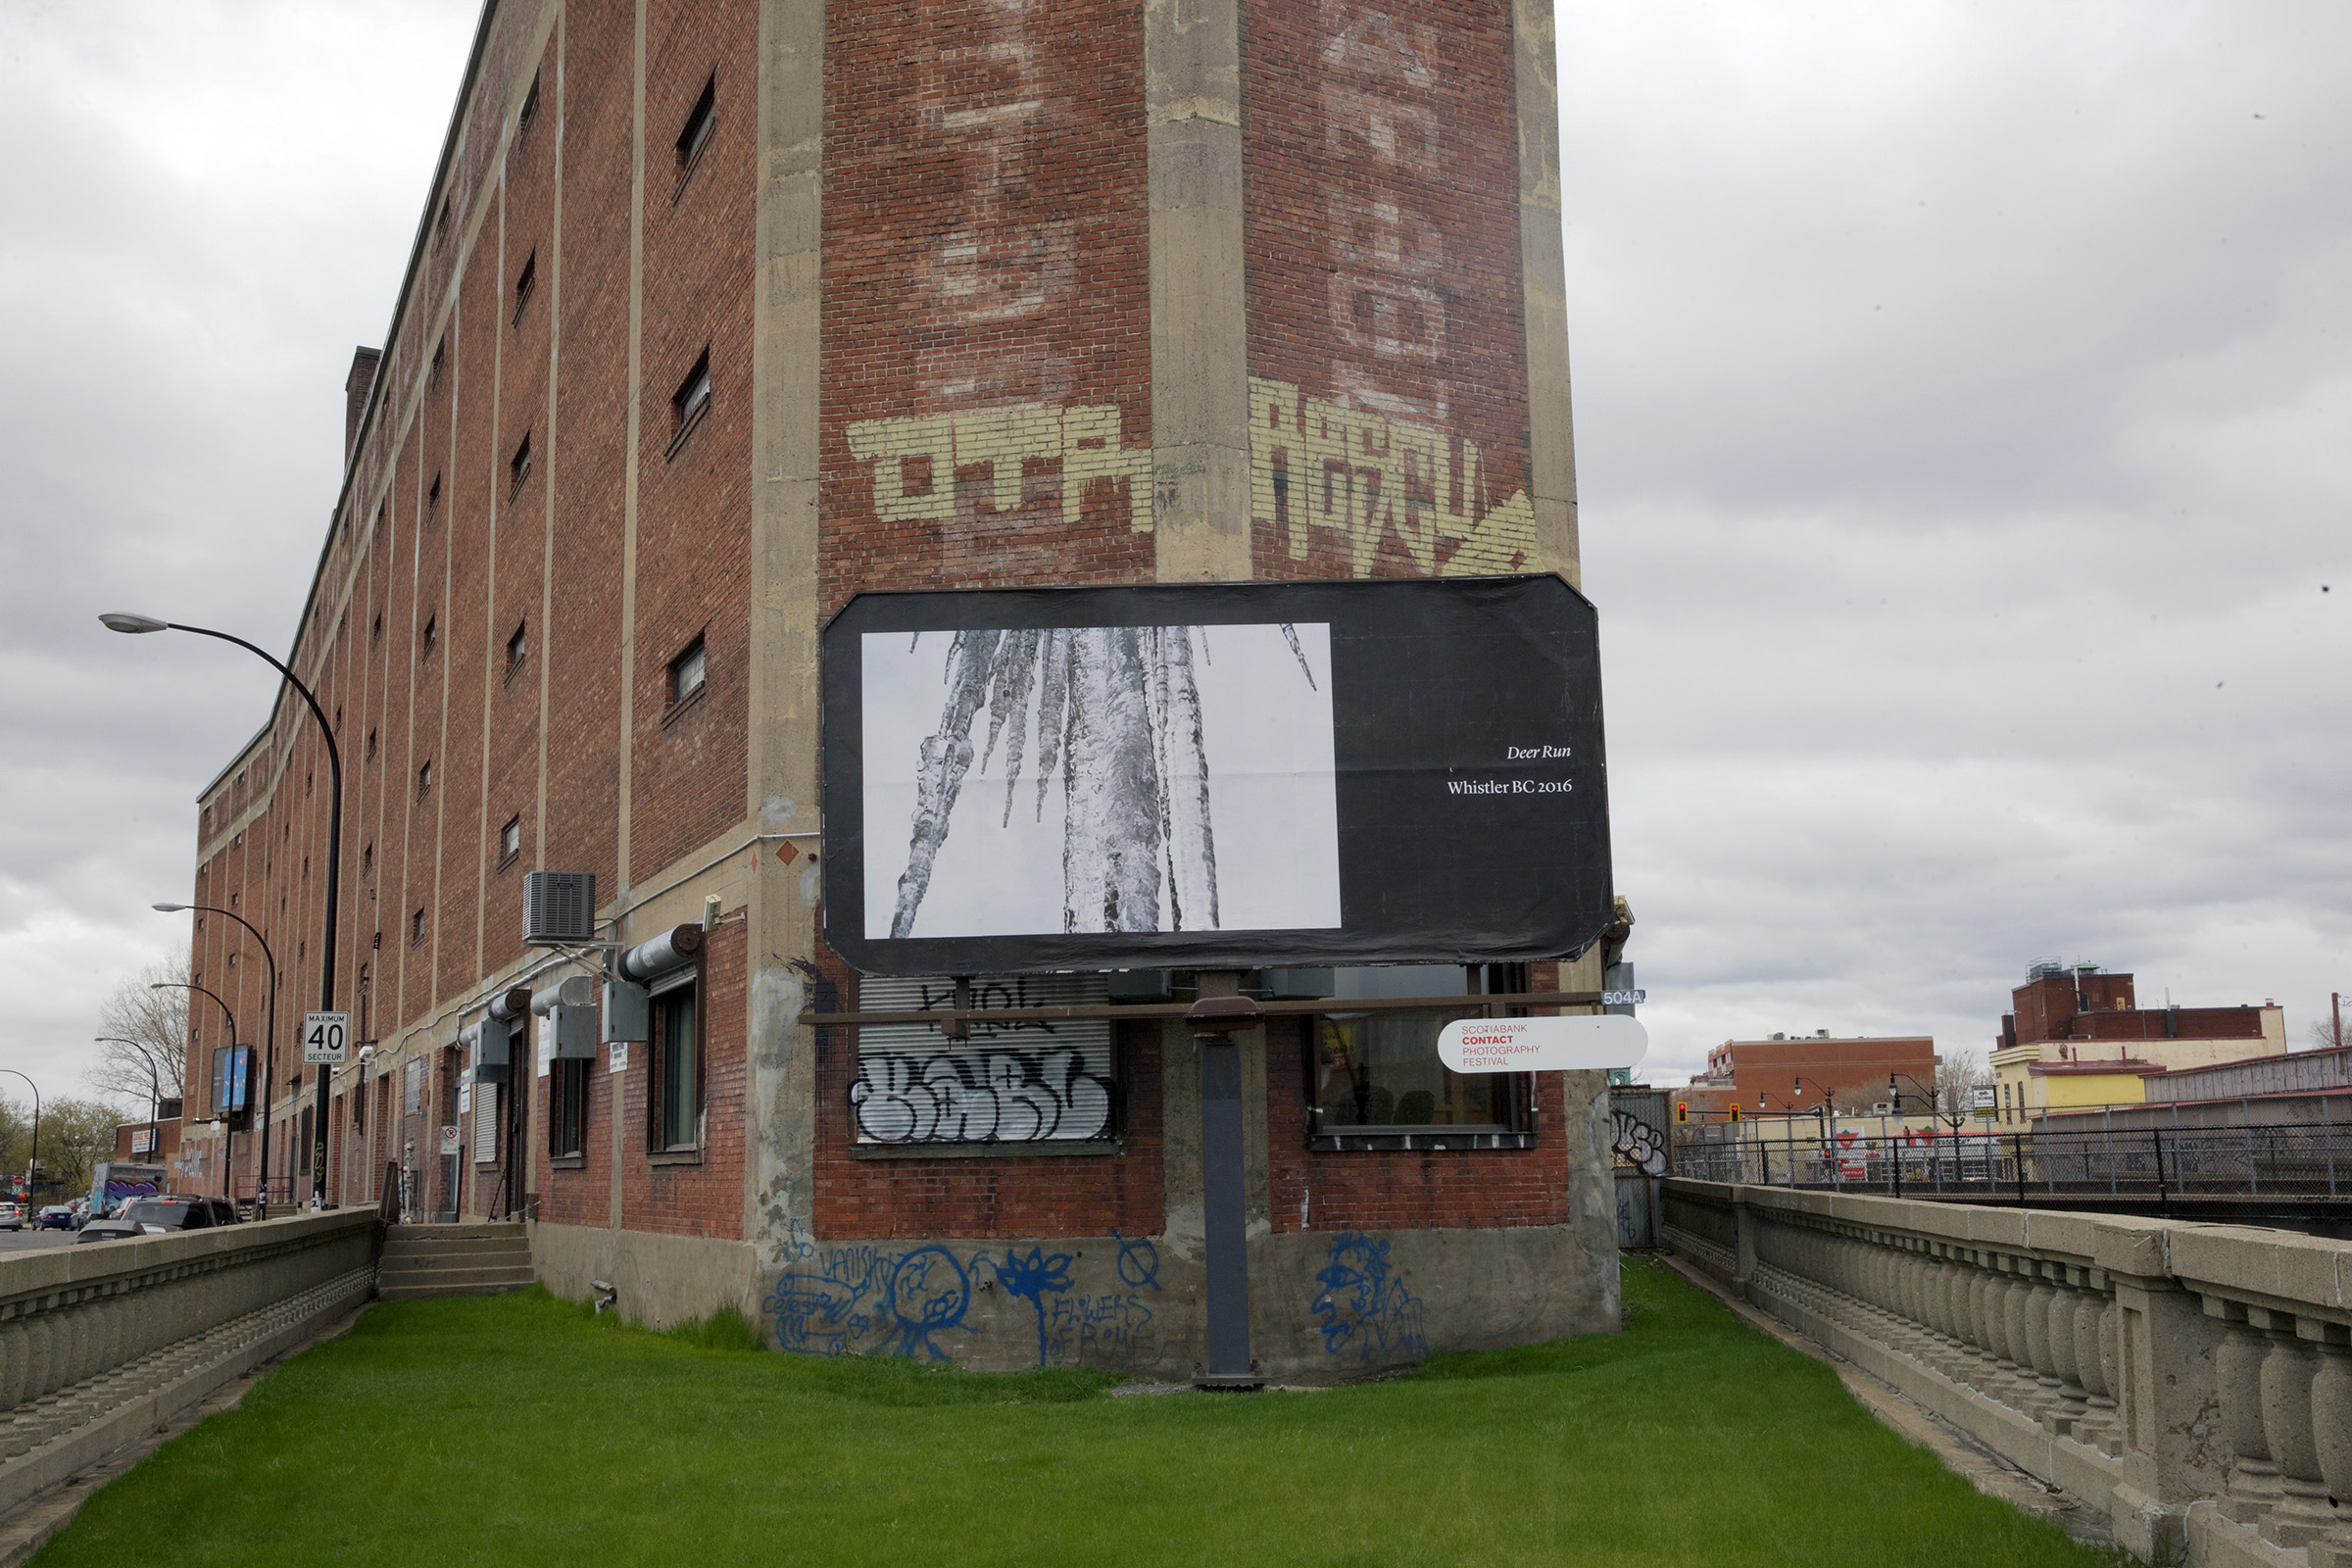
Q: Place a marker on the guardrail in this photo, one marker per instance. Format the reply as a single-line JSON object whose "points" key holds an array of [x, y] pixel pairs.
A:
{"points": [[2151, 1162], [2192, 1381], [100, 1344]]}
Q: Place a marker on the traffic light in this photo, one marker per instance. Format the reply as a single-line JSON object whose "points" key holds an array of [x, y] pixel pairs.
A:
{"points": [[1734, 1113], [1681, 1110]]}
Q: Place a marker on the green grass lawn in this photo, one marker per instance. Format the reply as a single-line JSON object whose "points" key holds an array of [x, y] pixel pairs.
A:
{"points": [[517, 1429]]}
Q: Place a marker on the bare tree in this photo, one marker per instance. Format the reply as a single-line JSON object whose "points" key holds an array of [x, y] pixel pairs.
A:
{"points": [[2322, 1033], [155, 1025], [1959, 1074]]}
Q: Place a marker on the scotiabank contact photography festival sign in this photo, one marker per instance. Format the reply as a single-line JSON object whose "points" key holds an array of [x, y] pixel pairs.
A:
{"points": [[1240, 775]]}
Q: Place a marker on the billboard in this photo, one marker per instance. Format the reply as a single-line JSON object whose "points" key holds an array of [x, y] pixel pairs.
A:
{"points": [[1240, 775]]}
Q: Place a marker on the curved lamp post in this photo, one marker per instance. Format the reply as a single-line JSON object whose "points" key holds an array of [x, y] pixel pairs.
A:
{"points": [[135, 624], [227, 1127], [268, 1034], [33, 1161], [155, 1076]]}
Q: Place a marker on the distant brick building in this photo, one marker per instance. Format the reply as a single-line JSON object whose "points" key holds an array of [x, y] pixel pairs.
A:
{"points": [[2076, 1038], [1791, 1072], [945, 293]]}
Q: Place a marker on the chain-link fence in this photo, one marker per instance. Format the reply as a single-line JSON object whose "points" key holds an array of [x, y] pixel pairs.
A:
{"points": [[2140, 1162]]}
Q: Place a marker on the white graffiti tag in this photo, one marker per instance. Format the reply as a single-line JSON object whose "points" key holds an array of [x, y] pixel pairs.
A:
{"points": [[985, 1096], [1637, 1143]]}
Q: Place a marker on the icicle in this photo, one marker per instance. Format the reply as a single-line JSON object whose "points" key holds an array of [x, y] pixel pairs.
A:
{"points": [[1193, 844], [1008, 687], [1291, 635], [946, 757], [1052, 697], [1109, 843]]}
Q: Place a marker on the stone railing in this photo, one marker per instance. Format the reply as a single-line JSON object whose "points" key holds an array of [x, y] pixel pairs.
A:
{"points": [[2194, 1381], [104, 1342]]}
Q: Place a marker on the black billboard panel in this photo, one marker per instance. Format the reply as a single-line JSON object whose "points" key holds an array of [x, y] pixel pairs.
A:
{"points": [[1240, 775]]}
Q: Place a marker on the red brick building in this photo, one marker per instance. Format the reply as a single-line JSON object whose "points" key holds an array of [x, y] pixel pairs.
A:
{"points": [[1764, 1075], [720, 313]]}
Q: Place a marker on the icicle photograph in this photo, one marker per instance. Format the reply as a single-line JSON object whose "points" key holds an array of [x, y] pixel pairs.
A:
{"points": [[1100, 778]]}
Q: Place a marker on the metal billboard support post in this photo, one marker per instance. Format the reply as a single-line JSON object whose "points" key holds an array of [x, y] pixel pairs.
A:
{"points": [[1224, 1207]]}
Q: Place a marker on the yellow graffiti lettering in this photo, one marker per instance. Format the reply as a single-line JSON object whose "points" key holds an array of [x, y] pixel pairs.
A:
{"points": [[915, 458]]}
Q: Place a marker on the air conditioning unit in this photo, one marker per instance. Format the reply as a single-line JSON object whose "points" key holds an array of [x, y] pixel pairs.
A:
{"points": [[559, 909], [1882, 1107]]}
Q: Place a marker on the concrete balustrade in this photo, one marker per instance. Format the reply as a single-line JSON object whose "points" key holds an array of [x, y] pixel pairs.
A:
{"points": [[102, 1343], [2192, 1381]]}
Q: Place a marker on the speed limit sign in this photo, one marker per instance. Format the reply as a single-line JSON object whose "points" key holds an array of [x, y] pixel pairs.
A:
{"points": [[325, 1035]]}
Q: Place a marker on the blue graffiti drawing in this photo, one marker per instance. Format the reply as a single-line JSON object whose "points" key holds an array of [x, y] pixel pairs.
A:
{"points": [[1030, 1278], [1138, 1261], [1364, 1310], [798, 1247], [861, 1300]]}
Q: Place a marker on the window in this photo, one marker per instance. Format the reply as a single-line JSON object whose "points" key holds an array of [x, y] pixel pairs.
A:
{"points": [[440, 353], [1374, 1080], [375, 633], [371, 746], [524, 283], [568, 1114], [698, 120], [424, 778], [416, 927], [677, 1076], [517, 646], [426, 648], [412, 1078], [686, 673], [441, 223], [367, 859], [509, 840], [529, 112], [691, 400], [432, 495], [520, 467]]}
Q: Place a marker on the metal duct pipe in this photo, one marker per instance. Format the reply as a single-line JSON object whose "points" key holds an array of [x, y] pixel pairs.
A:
{"points": [[673, 949], [576, 991]]}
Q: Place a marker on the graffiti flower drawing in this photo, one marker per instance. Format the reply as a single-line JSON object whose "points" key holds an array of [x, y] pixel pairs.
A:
{"points": [[1139, 778], [1031, 1279], [1364, 1312]]}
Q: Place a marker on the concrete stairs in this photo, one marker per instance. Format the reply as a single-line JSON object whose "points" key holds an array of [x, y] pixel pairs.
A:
{"points": [[421, 1260]]}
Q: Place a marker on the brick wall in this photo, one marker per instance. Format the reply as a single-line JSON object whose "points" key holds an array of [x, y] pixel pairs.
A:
{"points": [[1387, 358]]}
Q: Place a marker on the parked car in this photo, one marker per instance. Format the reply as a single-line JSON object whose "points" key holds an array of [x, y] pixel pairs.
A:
{"points": [[12, 1216], [177, 1212], [56, 1217]]}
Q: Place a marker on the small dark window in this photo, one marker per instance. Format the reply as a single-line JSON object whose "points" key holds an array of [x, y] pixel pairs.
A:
{"points": [[692, 397], [432, 494], [440, 353], [567, 1116], [687, 672], [424, 778], [441, 223], [510, 839], [527, 281], [698, 120], [530, 110], [375, 633], [371, 746], [367, 859], [427, 649], [520, 467], [416, 927], [677, 1076], [518, 646]]}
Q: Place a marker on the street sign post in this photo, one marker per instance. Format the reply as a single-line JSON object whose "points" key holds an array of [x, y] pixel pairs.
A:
{"points": [[326, 1038]]}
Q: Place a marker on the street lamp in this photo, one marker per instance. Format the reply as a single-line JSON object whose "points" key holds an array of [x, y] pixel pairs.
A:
{"points": [[135, 624], [268, 1036], [155, 1079], [33, 1161], [227, 1126]]}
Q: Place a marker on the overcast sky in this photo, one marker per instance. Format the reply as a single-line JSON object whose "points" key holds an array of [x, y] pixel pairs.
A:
{"points": [[1961, 401]]}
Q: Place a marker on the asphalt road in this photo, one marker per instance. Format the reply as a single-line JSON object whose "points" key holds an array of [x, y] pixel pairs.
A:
{"points": [[29, 1240]]}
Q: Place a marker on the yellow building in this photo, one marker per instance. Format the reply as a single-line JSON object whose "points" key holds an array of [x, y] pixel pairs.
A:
{"points": [[2075, 1039]]}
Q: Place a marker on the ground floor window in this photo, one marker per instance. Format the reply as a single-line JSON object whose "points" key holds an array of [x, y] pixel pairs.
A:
{"points": [[1374, 1078], [568, 1108], [676, 1110]]}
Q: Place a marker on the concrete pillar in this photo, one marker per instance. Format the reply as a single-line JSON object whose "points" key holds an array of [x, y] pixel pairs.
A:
{"points": [[2303, 1513], [2331, 1434], [2044, 1397], [2253, 1489], [2073, 1398], [2094, 1363]]}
